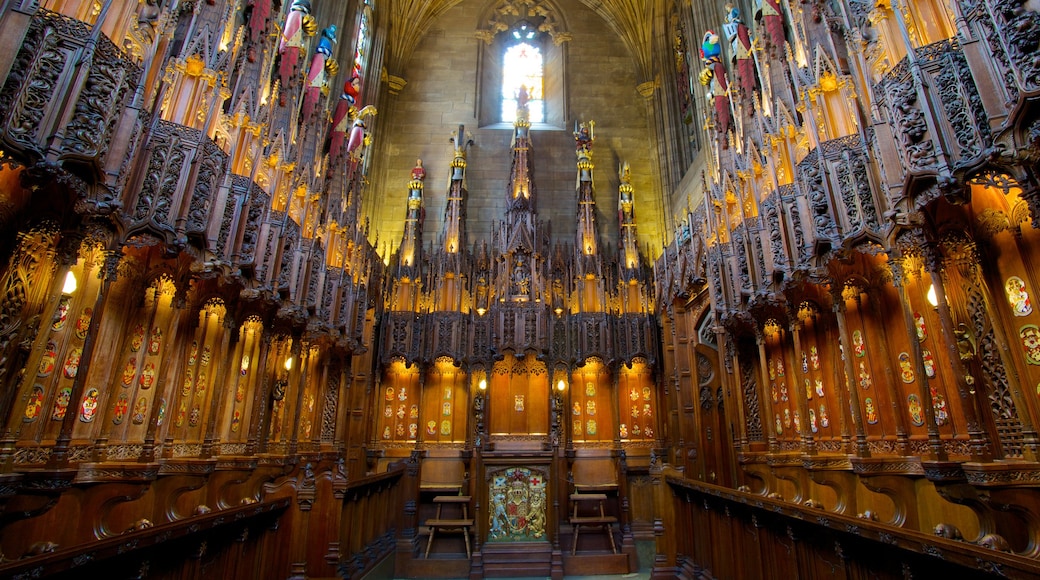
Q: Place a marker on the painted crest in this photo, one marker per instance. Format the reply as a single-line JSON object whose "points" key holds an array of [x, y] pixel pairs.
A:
{"points": [[906, 368], [129, 372], [922, 330], [929, 364], [62, 315], [88, 407], [83, 323], [119, 410], [61, 403], [147, 376], [155, 341], [71, 366], [1017, 296], [1030, 336], [137, 338], [872, 416], [33, 405], [140, 409], [48, 360], [913, 403]]}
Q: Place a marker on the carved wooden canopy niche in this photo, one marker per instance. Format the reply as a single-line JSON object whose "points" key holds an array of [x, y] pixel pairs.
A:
{"points": [[538, 15]]}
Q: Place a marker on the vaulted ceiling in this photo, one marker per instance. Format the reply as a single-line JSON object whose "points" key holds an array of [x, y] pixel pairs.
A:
{"points": [[631, 20]]}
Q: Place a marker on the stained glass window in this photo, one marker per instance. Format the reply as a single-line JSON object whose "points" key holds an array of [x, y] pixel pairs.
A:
{"points": [[361, 45], [522, 67]]}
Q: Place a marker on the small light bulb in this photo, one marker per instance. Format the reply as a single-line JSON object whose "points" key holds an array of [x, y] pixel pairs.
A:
{"points": [[482, 385], [561, 386], [288, 364], [932, 298], [70, 283]]}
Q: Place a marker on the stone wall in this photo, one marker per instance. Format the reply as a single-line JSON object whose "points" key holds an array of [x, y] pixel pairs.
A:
{"points": [[442, 92]]}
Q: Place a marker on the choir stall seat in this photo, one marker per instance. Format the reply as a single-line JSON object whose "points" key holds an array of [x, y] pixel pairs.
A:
{"points": [[442, 524]]}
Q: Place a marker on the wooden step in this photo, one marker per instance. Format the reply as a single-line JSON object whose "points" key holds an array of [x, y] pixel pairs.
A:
{"points": [[516, 559]]}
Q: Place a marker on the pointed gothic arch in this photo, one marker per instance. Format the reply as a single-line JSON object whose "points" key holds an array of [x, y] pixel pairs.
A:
{"points": [[510, 23]]}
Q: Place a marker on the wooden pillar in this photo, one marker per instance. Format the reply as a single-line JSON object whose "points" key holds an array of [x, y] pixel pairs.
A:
{"points": [[861, 447], [225, 383], [979, 444], [935, 445], [808, 441], [765, 390], [898, 414], [59, 456], [301, 352], [256, 422]]}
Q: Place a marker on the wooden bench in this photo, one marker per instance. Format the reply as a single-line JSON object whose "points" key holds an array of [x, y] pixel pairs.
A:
{"points": [[462, 524], [591, 521]]}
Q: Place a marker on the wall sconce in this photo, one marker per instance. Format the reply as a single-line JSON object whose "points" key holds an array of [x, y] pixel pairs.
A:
{"points": [[482, 385], [558, 311], [932, 298], [481, 311], [561, 386], [288, 364], [70, 283]]}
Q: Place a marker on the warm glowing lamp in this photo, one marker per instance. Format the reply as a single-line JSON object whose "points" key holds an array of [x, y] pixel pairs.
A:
{"points": [[482, 385], [481, 311], [932, 298], [561, 386], [70, 283], [288, 364]]}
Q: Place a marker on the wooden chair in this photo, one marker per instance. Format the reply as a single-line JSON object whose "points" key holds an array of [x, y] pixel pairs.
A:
{"points": [[593, 521], [462, 524]]}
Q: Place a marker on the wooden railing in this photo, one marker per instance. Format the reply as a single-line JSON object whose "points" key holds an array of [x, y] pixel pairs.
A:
{"points": [[710, 525], [211, 545], [371, 510]]}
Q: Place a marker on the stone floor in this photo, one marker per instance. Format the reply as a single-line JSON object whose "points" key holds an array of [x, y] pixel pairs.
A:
{"points": [[645, 550]]}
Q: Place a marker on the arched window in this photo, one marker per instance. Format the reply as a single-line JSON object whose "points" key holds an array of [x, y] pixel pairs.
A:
{"points": [[523, 47], [522, 69]]}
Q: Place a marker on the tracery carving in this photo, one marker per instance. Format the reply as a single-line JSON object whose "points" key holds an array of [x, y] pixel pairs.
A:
{"points": [[749, 387], [960, 99], [170, 150], [907, 120], [329, 409], [1021, 28]]}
